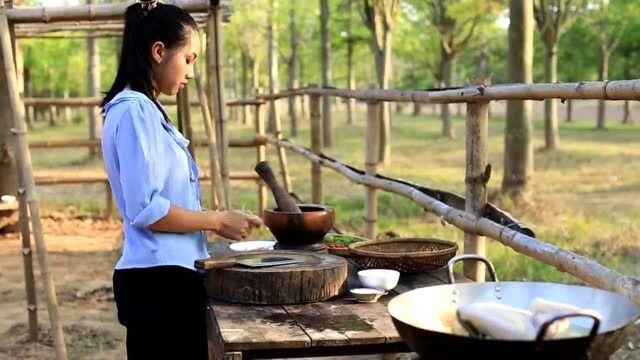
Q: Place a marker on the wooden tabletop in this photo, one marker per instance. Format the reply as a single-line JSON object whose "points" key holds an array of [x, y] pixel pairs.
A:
{"points": [[338, 327]]}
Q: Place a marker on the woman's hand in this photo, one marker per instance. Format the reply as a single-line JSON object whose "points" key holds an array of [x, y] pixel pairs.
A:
{"points": [[235, 224]]}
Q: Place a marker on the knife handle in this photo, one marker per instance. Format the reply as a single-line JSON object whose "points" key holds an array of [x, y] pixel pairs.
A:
{"points": [[216, 263]]}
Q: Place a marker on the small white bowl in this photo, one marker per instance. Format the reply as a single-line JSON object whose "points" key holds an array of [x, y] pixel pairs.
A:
{"points": [[367, 295], [383, 279], [252, 245]]}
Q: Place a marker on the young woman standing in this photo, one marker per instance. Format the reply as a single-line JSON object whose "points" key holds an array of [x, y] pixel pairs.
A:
{"points": [[158, 293]]}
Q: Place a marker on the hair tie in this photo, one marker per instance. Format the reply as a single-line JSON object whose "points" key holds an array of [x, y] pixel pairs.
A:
{"points": [[148, 5]]}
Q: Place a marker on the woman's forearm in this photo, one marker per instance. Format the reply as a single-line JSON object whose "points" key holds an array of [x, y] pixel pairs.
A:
{"points": [[180, 220]]}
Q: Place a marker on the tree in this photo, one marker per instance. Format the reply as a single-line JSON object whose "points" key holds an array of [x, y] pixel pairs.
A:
{"points": [[93, 85], [518, 152], [456, 22], [611, 18], [274, 79], [327, 125], [292, 64], [551, 17], [379, 17]]}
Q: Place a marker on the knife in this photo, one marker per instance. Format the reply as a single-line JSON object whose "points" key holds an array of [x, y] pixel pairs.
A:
{"points": [[252, 261]]}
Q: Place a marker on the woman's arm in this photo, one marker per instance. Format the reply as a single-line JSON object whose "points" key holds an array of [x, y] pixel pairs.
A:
{"points": [[232, 224]]}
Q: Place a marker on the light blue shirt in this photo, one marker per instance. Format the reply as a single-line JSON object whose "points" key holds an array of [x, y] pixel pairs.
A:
{"points": [[149, 169]]}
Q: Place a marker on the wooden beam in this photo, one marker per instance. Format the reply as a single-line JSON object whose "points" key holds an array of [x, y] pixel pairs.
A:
{"points": [[370, 166], [47, 144], [87, 101]]}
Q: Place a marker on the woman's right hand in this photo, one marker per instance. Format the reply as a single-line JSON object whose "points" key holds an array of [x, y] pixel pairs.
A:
{"points": [[235, 224]]}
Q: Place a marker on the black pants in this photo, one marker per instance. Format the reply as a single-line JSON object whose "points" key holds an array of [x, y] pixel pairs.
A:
{"points": [[163, 309]]}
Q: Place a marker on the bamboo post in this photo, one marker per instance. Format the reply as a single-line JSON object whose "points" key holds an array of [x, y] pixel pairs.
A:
{"points": [[180, 112], [316, 146], [216, 82], [282, 154], [217, 191], [23, 160], [188, 127], [476, 177], [370, 168], [261, 155], [27, 261], [108, 212]]}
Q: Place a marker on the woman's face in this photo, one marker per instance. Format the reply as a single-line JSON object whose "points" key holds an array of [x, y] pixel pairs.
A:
{"points": [[174, 67]]}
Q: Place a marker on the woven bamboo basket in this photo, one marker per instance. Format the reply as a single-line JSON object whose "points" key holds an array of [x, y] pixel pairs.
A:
{"points": [[407, 255]]}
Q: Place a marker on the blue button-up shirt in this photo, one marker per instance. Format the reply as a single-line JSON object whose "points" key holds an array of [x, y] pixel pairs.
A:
{"points": [[149, 169]]}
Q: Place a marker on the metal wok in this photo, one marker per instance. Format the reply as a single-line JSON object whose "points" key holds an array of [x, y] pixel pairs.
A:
{"points": [[426, 320]]}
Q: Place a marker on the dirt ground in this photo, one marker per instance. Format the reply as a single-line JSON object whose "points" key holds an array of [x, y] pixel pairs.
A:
{"points": [[82, 253]]}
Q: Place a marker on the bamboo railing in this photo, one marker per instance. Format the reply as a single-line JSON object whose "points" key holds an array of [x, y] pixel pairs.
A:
{"points": [[470, 220]]}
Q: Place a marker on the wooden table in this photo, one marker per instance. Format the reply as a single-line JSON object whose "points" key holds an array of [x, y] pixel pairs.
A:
{"points": [[331, 328]]}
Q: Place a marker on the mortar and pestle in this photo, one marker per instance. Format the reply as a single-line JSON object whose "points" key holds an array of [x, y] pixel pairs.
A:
{"points": [[294, 226]]}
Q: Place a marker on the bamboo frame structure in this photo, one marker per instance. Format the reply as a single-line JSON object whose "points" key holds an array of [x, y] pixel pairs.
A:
{"points": [[584, 90], [282, 155], [27, 184], [316, 146], [27, 261], [579, 266], [217, 190], [476, 177], [48, 14], [370, 165]]}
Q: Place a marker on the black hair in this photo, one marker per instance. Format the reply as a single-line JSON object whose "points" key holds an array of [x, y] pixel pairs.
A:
{"points": [[144, 25]]}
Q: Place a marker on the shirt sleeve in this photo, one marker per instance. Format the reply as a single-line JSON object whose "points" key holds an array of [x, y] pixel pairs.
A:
{"points": [[142, 169]]}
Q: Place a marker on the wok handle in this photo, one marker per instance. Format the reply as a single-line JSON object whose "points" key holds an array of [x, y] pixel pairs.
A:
{"points": [[492, 270], [545, 326]]}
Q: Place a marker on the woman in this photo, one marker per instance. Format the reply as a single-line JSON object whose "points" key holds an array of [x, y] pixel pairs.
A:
{"points": [[158, 293]]}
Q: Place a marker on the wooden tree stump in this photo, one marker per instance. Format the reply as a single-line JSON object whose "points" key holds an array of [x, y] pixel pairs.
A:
{"points": [[319, 277]]}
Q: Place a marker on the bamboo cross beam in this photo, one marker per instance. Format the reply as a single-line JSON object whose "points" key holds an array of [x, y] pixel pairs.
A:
{"points": [[27, 184], [49, 14], [579, 266], [591, 90], [86, 101]]}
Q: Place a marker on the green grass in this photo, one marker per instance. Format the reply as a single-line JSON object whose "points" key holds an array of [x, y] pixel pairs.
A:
{"points": [[586, 195]]}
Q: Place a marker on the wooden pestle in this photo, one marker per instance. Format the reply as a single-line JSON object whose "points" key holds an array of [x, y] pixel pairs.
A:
{"points": [[285, 202]]}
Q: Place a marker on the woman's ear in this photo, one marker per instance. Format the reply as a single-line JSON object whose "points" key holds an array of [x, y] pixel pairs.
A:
{"points": [[157, 52]]}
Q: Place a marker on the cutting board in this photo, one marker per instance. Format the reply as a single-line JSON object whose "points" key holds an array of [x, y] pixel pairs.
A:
{"points": [[318, 277]]}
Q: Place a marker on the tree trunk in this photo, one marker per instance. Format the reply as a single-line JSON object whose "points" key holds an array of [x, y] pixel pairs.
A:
{"points": [[255, 74], [244, 86], [445, 71], [603, 74], [327, 125], [304, 114], [52, 108], [351, 77], [518, 152], [551, 136], [483, 59], [569, 110], [67, 109], [626, 115], [273, 66], [93, 86], [383, 71], [293, 69]]}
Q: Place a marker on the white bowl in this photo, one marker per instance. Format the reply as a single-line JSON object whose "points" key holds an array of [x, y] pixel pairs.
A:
{"points": [[383, 279], [252, 245], [366, 294]]}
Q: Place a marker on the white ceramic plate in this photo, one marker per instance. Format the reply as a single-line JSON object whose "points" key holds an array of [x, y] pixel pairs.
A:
{"points": [[252, 245]]}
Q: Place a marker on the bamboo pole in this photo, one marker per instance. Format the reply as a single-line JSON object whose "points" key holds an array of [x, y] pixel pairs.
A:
{"points": [[100, 35], [93, 179], [87, 101], [579, 266], [49, 14], [316, 146], [27, 262], [282, 154], [585, 90], [476, 178], [188, 127], [216, 82], [23, 160], [52, 144], [108, 212], [370, 165], [261, 155], [217, 191]]}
